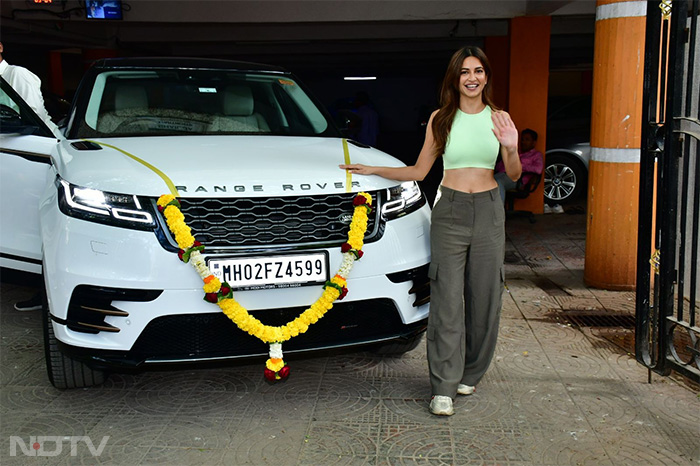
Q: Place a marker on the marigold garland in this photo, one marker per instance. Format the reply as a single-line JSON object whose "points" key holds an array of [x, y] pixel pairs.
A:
{"points": [[220, 293]]}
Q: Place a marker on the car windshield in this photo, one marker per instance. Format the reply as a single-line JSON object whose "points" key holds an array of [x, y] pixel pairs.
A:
{"points": [[186, 102]]}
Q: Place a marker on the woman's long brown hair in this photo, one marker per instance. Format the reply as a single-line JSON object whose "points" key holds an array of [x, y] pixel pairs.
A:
{"points": [[449, 94]]}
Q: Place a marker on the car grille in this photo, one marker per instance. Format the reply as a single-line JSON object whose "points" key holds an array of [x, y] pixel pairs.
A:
{"points": [[275, 221], [193, 336]]}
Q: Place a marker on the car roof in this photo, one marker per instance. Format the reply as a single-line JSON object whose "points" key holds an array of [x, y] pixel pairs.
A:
{"points": [[185, 63]]}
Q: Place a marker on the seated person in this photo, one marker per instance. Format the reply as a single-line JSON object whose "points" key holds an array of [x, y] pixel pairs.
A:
{"points": [[530, 158]]}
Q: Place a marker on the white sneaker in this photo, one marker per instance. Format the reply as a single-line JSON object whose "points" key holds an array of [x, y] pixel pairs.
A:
{"points": [[441, 405], [465, 389], [557, 209], [547, 209]]}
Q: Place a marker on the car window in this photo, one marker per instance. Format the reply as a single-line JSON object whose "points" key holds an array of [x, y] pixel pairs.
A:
{"points": [[16, 116], [173, 102]]}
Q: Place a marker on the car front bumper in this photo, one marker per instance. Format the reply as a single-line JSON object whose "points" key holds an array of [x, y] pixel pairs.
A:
{"points": [[117, 295]]}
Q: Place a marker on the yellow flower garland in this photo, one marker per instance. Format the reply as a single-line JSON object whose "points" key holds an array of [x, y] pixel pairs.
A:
{"points": [[273, 335]]}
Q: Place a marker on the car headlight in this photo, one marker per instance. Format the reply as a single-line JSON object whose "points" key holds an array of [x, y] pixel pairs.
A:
{"points": [[121, 210], [401, 200]]}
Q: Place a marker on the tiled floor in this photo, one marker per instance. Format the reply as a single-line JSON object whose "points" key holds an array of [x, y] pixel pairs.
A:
{"points": [[555, 394]]}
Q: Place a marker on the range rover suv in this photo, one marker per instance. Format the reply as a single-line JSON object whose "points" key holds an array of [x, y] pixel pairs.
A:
{"points": [[253, 160]]}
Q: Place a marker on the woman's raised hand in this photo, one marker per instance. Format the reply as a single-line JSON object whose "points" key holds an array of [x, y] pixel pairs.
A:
{"points": [[505, 130]]}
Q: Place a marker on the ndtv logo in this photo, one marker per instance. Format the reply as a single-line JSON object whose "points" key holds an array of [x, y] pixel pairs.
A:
{"points": [[39, 445]]}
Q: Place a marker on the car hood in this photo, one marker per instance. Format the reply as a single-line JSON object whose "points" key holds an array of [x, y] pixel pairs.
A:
{"points": [[221, 166]]}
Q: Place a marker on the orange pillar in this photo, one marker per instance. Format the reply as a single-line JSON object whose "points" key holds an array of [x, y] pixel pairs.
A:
{"points": [[613, 190], [529, 86]]}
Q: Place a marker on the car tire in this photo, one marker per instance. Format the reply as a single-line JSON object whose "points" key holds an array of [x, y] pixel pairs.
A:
{"points": [[398, 347], [565, 179], [63, 371]]}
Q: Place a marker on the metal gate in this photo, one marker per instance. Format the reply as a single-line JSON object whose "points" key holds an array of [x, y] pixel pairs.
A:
{"points": [[667, 316]]}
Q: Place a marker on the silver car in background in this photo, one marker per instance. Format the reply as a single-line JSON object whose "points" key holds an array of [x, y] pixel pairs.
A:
{"points": [[566, 173]]}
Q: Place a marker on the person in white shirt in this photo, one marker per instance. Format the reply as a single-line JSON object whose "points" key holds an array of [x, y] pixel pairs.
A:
{"points": [[28, 86]]}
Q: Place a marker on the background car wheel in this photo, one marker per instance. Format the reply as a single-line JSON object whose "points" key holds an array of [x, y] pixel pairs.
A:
{"points": [[399, 347], [63, 371], [564, 179]]}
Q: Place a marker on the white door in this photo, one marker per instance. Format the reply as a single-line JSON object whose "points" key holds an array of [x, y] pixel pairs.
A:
{"points": [[26, 146]]}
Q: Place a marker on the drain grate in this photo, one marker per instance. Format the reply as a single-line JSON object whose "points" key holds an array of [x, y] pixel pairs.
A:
{"points": [[599, 320]]}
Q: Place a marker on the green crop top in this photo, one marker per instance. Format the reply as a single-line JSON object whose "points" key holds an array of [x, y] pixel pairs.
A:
{"points": [[471, 142]]}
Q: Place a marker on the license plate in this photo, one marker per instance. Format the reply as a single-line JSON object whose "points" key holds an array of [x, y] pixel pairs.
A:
{"points": [[263, 272]]}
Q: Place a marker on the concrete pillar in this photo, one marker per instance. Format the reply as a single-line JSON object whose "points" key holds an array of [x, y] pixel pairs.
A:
{"points": [[529, 87], [613, 189]]}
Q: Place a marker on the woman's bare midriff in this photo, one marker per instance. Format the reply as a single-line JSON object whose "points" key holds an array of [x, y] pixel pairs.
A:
{"points": [[469, 180]]}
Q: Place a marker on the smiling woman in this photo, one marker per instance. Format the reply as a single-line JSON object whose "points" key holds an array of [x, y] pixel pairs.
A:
{"points": [[466, 268]]}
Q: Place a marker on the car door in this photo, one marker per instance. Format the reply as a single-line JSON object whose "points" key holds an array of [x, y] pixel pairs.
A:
{"points": [[26, 147]]}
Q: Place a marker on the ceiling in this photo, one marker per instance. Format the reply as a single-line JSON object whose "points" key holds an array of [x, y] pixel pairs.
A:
{"points": [[334, 37]]}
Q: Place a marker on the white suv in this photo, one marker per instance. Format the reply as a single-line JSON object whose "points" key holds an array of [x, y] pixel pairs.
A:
{"points": [[254, 162]]}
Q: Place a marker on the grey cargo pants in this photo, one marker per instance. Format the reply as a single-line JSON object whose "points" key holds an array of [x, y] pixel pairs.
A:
{"points": [[467, 240]]}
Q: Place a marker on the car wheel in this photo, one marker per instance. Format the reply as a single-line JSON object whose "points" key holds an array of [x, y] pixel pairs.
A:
{"points": [[399, 347], [63, 371], [564, 179]]}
